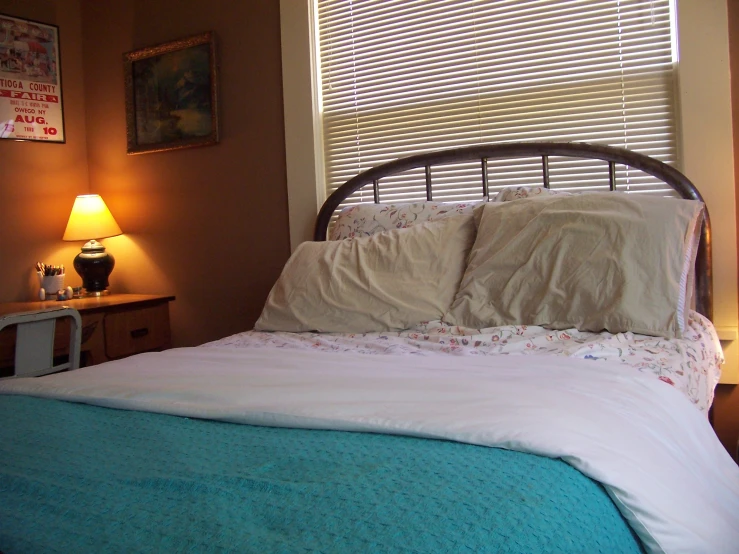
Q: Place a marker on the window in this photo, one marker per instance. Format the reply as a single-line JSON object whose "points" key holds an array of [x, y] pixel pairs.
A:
{"points": [[399, 77]]}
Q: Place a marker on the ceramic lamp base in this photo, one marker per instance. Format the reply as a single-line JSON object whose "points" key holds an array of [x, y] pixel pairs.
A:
{"points": [[94, 265]]}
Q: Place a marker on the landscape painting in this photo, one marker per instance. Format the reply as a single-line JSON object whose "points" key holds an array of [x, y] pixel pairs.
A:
{"points": [[171, 95]]}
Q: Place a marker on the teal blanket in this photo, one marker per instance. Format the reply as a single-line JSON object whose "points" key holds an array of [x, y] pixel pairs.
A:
{"points": [[78, 478]]}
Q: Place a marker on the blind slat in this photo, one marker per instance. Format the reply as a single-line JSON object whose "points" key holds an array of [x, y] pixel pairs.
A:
{"points": [[399, 77]]}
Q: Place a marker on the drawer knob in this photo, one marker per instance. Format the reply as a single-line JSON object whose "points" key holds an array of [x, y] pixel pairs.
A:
{"points": [[138, 333]]}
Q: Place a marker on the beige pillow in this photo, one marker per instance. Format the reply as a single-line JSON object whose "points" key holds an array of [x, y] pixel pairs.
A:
{"points": [[595, 261], [391, 280]]}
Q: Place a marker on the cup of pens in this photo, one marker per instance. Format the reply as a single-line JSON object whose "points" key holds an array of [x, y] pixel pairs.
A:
{"points": [[51, 279]]}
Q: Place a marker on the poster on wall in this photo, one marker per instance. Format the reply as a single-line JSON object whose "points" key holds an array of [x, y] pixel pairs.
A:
{"points": [[30, 81]]}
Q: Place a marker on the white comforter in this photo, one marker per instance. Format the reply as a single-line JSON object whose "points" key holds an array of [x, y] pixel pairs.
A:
{"points": [[691, 364], [653, 451]]}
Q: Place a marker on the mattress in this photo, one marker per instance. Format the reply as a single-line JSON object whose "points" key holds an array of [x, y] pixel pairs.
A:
{"points": [[691, 364], [654, 453]]}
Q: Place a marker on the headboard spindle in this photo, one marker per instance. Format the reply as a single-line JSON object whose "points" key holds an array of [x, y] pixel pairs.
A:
{"points": [[429, 194], [485, 189], [612, 175]]}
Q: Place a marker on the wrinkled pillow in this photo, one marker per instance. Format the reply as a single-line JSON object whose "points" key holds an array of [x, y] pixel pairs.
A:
{"points": [[368, 219], [598, 261], [388, 281]]}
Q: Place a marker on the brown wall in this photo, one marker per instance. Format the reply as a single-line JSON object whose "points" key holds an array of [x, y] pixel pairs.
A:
{"points": [[39, 181], [208, 224]]}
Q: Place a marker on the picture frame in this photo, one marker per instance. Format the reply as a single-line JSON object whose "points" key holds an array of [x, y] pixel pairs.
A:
{"points": [[172, 95], [30, 81]]}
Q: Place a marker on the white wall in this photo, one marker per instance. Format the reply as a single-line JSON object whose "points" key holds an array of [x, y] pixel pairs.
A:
{"points": [[302, 129], [707, 148]]}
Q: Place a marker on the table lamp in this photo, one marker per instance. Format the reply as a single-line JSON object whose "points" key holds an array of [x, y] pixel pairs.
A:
{"points": [[91, 220]]}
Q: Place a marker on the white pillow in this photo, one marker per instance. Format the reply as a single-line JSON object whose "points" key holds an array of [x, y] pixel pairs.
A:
{"points": [[594, 261], [388, 281]]}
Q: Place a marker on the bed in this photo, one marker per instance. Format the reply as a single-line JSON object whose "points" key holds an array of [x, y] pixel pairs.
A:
{"points": [[439, 377]]}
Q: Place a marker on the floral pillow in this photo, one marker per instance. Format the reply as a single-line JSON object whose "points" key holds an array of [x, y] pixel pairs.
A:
{"points": [[368, 219], [364, 220], [516, 193]]}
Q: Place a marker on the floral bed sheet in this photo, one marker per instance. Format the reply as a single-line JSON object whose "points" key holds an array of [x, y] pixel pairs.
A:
{"points": [[691, 364]]}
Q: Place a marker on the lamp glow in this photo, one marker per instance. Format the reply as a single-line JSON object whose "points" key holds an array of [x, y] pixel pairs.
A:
{"points": [[91, 220]]}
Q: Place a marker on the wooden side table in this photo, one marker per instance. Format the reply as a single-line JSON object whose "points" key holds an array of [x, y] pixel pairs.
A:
{"points": [[113, 326]]}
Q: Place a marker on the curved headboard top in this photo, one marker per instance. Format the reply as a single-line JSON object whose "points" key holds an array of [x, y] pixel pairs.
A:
{"points": [[484, 152]]}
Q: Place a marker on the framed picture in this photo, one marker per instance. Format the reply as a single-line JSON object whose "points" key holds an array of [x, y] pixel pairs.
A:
{"points": [[171, 95], [30, 81]]}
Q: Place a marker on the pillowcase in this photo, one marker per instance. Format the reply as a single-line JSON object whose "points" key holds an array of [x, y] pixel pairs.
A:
{"points": [[368, 219], [391, 280], [687, 278], [508, 194], [517, 193], [593, 261]]}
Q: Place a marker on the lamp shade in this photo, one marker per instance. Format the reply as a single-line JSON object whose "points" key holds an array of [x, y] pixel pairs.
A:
{"points": [[90, 219]]}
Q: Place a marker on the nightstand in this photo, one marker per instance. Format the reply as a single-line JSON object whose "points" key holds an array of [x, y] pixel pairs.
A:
{"points": [[113, 326]]}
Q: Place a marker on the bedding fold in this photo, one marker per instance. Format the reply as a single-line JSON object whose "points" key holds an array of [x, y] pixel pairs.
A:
{"points": [[654, 453]]}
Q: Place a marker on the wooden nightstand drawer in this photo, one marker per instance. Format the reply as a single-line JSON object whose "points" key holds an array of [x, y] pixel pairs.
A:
{"points": [[134, 331], [113, 326]]}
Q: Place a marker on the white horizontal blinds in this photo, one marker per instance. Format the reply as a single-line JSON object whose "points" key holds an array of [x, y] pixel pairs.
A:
{"points": [[407, 76]]}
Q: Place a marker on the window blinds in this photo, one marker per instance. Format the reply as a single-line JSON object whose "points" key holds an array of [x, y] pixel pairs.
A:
{"points": [[399, 77]]}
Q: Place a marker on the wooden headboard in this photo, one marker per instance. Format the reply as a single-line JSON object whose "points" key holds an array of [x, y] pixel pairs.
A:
{"points": [[484, 152]]}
